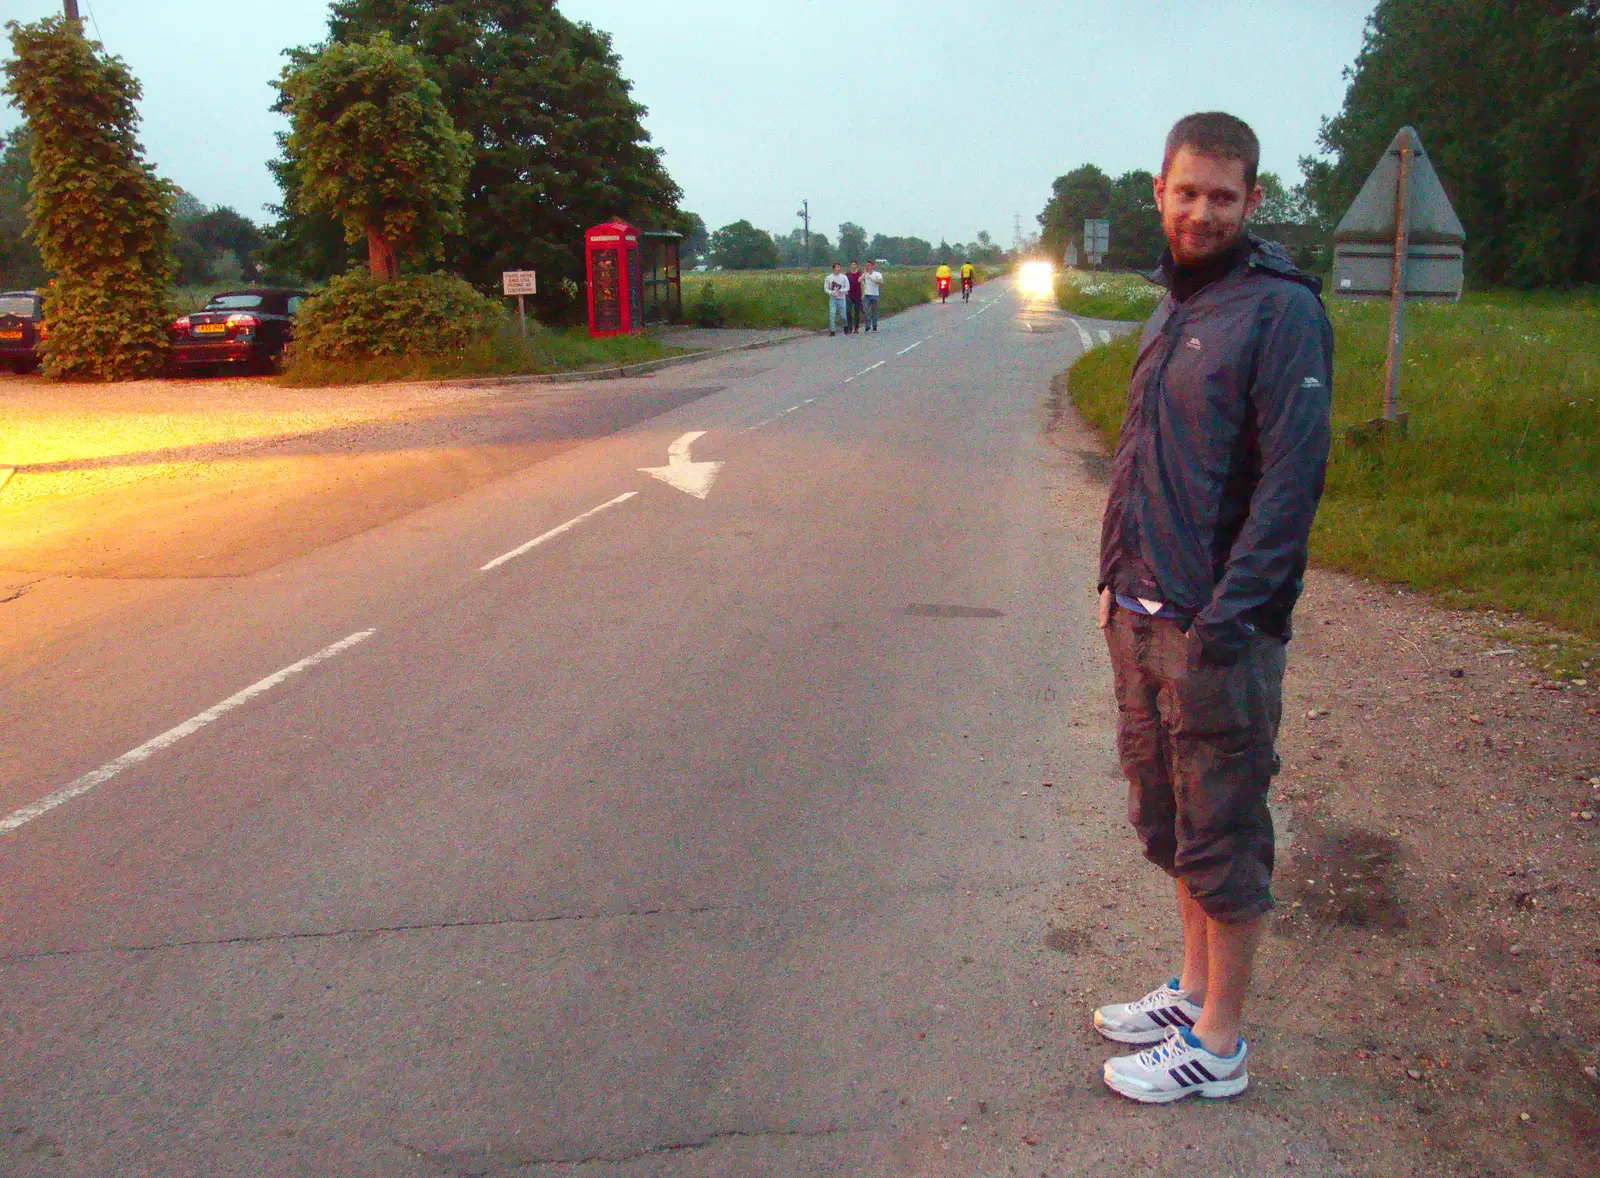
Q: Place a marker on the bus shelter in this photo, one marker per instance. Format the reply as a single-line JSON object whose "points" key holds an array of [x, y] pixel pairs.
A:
{"points": [[662, 276]]}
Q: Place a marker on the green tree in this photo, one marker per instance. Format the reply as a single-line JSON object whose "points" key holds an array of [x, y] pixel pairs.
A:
{"points": [[20, 265], [1506, 98], [902, 251], [1081, 194], [852, 242], [558, 142], [1137, 239], [696, 238], [741, 246], [374, 146], [98, 212]]}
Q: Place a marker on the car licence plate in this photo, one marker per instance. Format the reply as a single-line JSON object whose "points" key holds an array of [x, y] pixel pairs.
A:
{"points": [[209, 328], [10, 335]]}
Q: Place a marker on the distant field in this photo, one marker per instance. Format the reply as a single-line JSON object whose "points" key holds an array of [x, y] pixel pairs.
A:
{"points": [[794, 298], [1493, 501]]}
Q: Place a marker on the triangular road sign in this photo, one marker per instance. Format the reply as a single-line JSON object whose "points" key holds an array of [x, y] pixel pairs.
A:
{"points": [[1431, 222]]}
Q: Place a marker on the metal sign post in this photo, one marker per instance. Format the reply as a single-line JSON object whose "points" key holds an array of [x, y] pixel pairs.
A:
{"points": [[520, 283], [1096, 240], [1399, 240], [1397, 279]]}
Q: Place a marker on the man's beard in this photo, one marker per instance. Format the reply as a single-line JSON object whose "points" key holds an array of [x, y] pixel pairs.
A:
{"points": [[1190, 248]]}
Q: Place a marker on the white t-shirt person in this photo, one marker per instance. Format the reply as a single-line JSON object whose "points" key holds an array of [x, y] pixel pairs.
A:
{"points": [[836, 284], [872, 282]]}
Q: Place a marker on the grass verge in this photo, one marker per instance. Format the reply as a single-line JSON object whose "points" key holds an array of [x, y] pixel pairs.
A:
{"points": [[1493, 500], [506, 353], [1107, 296], [794, 298]]}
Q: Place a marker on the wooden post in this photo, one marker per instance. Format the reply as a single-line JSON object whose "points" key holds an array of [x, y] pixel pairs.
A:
{"points": [[522, 317], [1397, 283], [71, 7]]}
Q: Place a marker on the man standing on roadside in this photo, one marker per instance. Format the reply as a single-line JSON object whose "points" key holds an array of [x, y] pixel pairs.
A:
{"points": [[1215, 482], [871, 291], [838, 287], [854, 278]]}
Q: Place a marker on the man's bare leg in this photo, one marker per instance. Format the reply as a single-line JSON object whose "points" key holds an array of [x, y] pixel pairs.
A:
{"points": [[1231, 955], [1194, 980]]}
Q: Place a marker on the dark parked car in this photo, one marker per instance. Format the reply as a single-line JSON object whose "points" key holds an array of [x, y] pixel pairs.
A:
{"points": [[21, 328], [244, 327]]}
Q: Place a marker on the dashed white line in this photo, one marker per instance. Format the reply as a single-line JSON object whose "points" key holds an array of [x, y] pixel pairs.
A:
{"points": [[912, 348], [1083, 335], [560, 529], [172, 736], [864, 371]]}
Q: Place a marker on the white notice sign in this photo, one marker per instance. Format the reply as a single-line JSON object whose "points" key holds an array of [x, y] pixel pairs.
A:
{"points": [[519, 282]]}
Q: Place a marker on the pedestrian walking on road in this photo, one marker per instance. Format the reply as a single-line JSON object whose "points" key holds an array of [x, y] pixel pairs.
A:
{"points": [[1215, 482], [838, 288], [871, 291], [854, 278]]}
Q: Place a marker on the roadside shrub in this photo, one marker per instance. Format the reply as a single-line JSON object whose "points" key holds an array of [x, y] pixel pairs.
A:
{"points": [[707, 311], [357, 317], [98, 211]]}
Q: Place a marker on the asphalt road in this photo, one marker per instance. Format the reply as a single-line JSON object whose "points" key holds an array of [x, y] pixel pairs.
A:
{"points": [[772, 832]]}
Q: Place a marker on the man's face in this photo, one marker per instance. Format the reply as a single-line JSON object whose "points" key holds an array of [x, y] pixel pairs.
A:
{"points": [[855, 267], [1203, 203], [836, 267]]}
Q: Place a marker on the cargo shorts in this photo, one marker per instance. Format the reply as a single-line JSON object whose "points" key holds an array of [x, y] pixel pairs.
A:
{"points": [[1196, 741]]}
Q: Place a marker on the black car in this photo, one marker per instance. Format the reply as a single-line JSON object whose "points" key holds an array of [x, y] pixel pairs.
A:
{"points": [[244, 327], [21, 328]]}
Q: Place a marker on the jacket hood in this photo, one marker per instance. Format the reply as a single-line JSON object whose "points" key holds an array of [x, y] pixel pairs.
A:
{"points": [[1261, 255]]}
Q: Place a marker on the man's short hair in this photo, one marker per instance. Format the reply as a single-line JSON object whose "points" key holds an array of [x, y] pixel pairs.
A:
{"points": [[1215, 134]]}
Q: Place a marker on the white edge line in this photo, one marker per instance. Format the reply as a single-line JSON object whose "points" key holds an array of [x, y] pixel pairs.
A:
{"points": [[171, 736], [558, 530], [1083, 335], [903, 351]]}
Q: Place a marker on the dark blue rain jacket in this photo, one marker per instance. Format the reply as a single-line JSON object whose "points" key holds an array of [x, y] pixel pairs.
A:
{"points": [[1223, 452]]}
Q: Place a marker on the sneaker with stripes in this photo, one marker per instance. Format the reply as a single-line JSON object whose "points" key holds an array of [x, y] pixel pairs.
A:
{"points": [[1149, 1019], [1176, 1068]]}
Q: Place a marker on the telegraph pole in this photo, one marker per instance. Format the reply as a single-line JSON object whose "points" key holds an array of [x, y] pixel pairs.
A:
{"points": [[72, 9], [805, 217]]}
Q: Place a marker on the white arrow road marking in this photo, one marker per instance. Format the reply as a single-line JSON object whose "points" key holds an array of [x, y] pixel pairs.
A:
{"points": [[1105, 336], [558, 530], [173, 735], [682, 472], [1083, 335]]}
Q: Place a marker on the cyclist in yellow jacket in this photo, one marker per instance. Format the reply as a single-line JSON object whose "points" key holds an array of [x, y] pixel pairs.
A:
{"points": [[942, 277]]}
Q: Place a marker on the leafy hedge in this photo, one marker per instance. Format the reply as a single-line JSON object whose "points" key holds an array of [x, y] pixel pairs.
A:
{"points": [[98, 211], [358, 317]]}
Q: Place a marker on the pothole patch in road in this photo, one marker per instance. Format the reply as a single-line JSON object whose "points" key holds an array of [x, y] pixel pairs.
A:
{"points": [[924, 610], [1342, 876], [1067, 940]]}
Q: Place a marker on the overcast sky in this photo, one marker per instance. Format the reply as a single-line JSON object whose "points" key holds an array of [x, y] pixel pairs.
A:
{"points": [[929, 117]]}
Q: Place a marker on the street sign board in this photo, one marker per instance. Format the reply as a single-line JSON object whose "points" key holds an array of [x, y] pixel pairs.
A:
{"points": [[1365, 241], [519, 282], [1097, 238], [1400, 238]]}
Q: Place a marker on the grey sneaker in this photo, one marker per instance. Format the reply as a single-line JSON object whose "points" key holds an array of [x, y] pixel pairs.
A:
{"points": [[1149, 1019], [1176, 1068]]}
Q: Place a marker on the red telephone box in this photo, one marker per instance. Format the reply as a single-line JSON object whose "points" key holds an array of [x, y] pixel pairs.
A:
{"points": [[611, 261]]}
